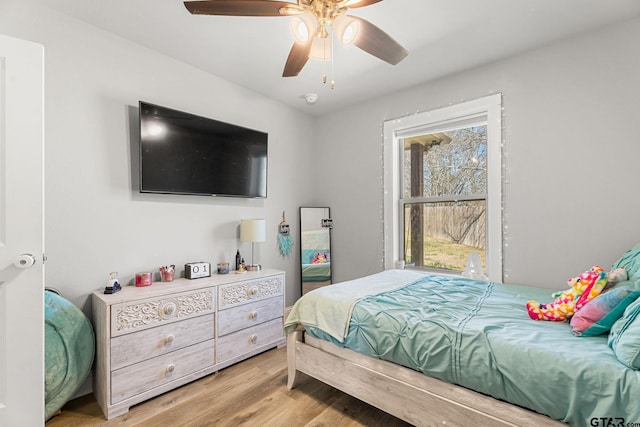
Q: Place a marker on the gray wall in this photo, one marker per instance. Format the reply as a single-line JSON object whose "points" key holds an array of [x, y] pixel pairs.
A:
{"points": [[571, 153], [96, 220]]}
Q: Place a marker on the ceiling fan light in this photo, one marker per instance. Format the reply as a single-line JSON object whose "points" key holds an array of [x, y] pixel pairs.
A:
{"points": [[320, 49], [346, 29], [303, 26]]}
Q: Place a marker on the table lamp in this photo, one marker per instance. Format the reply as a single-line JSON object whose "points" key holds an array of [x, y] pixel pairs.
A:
{"points": [[253, 230]]}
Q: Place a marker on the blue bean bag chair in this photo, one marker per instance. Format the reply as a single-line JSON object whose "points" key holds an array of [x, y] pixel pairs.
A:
{"points": [[69, 345]]}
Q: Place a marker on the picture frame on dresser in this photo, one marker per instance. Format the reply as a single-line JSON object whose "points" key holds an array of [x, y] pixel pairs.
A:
{"points": [[153, 339]]}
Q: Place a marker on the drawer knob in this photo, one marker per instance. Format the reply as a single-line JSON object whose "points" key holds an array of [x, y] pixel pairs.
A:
{"points": [[253, 315], [252, 292], [253, 339], [168, 340], [168, 310], [170, 368]]}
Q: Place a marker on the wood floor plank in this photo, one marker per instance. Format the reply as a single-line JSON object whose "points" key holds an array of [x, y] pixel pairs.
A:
{"points": [[347, 411], [219, 405], [250, 393]]}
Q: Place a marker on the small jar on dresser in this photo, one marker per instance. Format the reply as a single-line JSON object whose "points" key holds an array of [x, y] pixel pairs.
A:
{"points": [[156, 338]]}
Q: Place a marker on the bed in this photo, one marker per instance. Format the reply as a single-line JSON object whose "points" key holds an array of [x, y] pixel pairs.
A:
{"points": [[434, 349]]}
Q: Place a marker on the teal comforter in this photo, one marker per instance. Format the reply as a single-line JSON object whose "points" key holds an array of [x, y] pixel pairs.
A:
{"points": [[478, 335]]}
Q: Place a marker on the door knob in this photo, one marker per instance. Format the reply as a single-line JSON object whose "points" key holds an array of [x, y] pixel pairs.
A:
{"points": [[24, 261]]}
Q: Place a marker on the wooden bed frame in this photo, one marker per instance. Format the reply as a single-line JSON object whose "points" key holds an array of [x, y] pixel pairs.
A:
{"points": [[402, 392]]}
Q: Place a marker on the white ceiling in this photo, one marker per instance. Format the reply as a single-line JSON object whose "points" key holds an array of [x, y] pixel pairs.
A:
{"points": [[442, 36]]}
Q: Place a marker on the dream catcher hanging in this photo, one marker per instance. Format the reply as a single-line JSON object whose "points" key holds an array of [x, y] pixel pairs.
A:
{"points": [[284, 237]]}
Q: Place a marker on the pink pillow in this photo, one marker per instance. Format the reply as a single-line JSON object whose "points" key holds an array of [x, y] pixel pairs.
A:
{"points": [[599, 314]]}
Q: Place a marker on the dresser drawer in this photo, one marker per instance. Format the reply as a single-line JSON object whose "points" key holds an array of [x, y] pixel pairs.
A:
{"points": [[143, 314], [144, 376], [244, 316], [246, 340], [251, 290], [138, 346]]}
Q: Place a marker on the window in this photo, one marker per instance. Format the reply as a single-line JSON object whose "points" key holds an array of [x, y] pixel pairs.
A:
{"points": [[443, 182]]}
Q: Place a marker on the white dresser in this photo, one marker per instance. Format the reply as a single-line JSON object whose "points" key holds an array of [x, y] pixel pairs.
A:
{"points": [[155, 338]]}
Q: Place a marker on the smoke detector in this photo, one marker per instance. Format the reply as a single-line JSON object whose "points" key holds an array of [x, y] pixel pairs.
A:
{"points": [[311, 98]]}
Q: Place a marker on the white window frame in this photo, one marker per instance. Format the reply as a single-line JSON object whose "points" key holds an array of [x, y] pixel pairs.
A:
{"points": [[487, 109]]}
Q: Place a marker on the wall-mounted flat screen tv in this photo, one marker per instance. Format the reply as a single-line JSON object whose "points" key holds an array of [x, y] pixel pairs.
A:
{"points": [[182, 153]]}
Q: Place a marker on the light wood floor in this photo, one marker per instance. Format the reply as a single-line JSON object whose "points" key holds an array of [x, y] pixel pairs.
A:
{"points": [[250, 393]]}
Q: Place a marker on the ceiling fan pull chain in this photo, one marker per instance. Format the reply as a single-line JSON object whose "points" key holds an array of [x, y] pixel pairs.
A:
{"points": [[324, 55], [333, 54]]}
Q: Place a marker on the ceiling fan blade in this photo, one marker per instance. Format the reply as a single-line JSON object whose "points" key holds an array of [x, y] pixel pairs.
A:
{"points": [[240, 7], [378, 43], [361, 3], [298, 57]]}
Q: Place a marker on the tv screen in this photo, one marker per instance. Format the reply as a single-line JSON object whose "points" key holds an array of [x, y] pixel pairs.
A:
{"points": [[181, 153]]}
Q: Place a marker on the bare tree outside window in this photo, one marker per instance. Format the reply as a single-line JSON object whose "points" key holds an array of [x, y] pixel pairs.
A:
{"points": [[444, 197]]}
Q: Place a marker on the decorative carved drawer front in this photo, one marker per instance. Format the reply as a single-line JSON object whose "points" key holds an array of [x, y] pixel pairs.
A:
{"points": [[144, 314], [246, 340], [251, 290], [141, 345], [141, 377]]}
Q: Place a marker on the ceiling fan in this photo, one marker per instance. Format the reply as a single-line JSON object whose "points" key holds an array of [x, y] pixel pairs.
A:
{"points": [[310, 27]]}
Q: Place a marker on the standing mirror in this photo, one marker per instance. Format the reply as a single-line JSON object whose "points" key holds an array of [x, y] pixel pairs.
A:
{"points": [[315, 248]]}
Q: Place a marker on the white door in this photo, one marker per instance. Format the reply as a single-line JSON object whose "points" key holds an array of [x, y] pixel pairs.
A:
{"points": [[21, 233]]}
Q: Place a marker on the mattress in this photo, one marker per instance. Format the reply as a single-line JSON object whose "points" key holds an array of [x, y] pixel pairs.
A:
{"points": [[478, 335]]}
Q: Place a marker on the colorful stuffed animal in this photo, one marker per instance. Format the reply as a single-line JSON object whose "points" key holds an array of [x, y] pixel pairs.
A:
{"points": [[320, 258], [583, 288]]}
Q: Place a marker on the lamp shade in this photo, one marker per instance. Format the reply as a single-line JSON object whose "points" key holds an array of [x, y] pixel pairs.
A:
{"points": [[320, 49], [346, 29], [252, 230], [303, 27]]}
